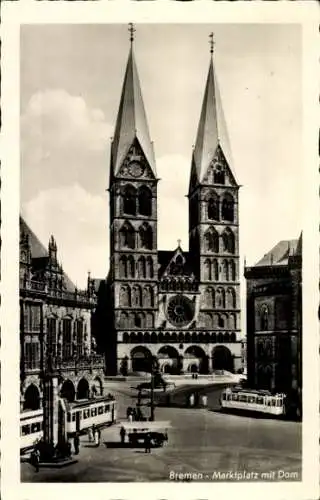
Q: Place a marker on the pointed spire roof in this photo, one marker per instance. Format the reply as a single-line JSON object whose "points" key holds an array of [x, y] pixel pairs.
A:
{"points": [[131, 121], [212, 129]]}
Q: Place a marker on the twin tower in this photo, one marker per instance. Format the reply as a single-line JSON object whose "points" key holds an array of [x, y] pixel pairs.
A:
{"points": [[174, 309]]}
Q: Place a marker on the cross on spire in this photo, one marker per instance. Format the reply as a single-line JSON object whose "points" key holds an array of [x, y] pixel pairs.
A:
{"points": [[131, 30], [211, 42]]}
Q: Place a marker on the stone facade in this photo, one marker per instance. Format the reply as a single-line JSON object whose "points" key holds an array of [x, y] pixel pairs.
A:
{"points": [[274, 319], [55, 327], [182, 308]]}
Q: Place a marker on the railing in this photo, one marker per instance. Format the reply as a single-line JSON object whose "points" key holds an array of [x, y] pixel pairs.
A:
{"points": [[78, 363], [41, 287]]}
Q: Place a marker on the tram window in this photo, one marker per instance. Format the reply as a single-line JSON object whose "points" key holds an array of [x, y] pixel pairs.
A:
{"points": [[273, 402], [251, 399], [235, 397], [107, 408], [269, 403], [73, 417], [68, 417], [35, 427], [93, 412], [85, 413], [25, 430], [243, 398], [100, 410], [259, 400]]}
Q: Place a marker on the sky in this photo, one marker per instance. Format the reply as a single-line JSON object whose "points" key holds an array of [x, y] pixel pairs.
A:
{"points": [[70, 86]]}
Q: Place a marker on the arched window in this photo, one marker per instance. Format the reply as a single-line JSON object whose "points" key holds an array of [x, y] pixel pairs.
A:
{"points": [[142, 267], [209, 297], [131, 266], [127, 236], [264, 318], [145, 236], [129, 200], [220, 323], [136, 296], [228, 241], [149, 320], [123, 320], [148, 296], [215, 270], [213, 207], [144, 201], [225, 267], [227, 211], [125, 296], [123, 267], [220, 298], [232, 268], [149, 267], [231, 298], [207, 270], [211, 240], [207, 321], [232, 321]]}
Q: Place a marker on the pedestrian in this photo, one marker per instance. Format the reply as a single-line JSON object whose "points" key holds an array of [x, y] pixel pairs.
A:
{"points": [[122, 435], [134, 414], [204, 400], [69, 449], [90, 434], [130, 417], [191, 400], [147, 443], [97, 437], [76, 443], [36, 459]]}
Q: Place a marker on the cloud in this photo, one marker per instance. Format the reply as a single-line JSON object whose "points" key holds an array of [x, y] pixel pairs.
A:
{"points": [[62, 139], [78, 221]]}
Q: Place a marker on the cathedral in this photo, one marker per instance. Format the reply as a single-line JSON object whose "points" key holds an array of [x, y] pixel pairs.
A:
{"points": [[178, 308]]}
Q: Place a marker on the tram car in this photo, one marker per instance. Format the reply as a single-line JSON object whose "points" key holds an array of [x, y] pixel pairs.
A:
{"points": [[80, 415], [248, 400], [31, 429]]}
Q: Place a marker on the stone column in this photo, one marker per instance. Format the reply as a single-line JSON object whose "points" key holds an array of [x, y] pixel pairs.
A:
{"points": [[51, 410]]}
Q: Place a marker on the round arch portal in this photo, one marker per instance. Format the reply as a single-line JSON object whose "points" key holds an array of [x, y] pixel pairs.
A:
{"points": [[222, 359], [32, 398], [168, 358], [141, 359], [83, 389], [68, 391], [197, 360]]}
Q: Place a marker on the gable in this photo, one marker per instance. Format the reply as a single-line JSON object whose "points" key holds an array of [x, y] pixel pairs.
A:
{"points": [[135, 165], [219, 172]]}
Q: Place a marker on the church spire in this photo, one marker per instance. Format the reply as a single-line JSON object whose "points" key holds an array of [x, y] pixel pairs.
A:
{"points": [[212, 130], [131, 121]]}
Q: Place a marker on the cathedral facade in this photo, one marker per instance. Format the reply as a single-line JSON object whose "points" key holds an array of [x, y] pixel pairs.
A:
{"points": [[181, 308]]}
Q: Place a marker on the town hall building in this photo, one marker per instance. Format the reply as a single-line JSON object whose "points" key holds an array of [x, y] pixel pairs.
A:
{"points": [[179, 307]]}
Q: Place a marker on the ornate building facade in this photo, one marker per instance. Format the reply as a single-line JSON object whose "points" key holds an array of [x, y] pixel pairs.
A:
{"points": [[55, 327], [181, 307], [274, 319]]}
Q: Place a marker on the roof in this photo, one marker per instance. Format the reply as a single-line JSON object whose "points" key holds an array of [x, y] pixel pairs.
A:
{"points": [[280, 253], [40, 254], [212, 129], [131, 120], [37, 248], [166, 256]]}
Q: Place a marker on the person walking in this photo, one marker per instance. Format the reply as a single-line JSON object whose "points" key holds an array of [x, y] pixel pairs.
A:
{"points": [[76, 443], [90, 434], [36, 459], [122, 435], [147, 443], [97, 435], [130, 417]]}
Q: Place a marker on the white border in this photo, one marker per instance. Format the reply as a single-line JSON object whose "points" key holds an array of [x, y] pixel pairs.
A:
{"points": [[161, 11]]}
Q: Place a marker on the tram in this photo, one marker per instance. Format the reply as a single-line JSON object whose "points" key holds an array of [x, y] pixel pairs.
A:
{"points": [[253, 400], [31, 428], [80, 415]]}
